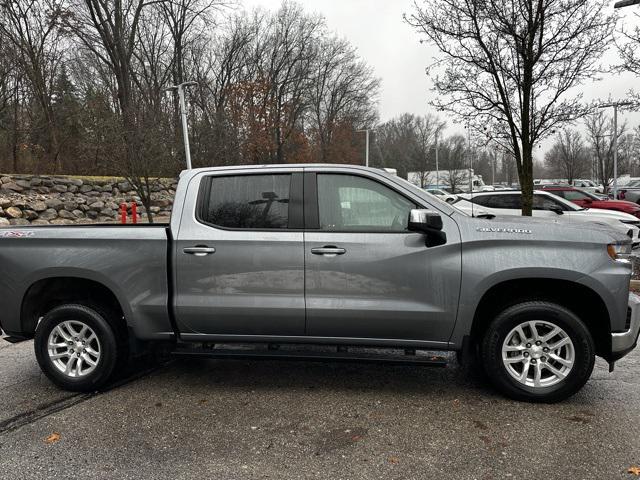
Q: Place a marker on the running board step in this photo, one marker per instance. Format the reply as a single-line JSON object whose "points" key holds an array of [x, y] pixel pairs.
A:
{"points": [[320, 356]]}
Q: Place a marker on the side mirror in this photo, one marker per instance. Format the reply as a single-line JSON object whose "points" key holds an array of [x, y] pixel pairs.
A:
{"points": [[429, 223], [557, 210]]}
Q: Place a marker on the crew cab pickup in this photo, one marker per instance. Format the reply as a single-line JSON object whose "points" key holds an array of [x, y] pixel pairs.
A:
{"points": [[341, 256]]}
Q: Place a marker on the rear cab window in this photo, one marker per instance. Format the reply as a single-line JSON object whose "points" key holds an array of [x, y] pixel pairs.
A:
{"points": [[246, 201]]}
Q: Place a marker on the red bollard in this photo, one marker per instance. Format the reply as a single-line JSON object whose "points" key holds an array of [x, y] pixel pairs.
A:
{"points": [[134, 212], [123, 213]]}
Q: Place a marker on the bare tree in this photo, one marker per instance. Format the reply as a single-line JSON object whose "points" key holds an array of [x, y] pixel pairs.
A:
{"points": [[30, 27], [568, 156], [343, 90], [428, 127], [510, 65], [455, 162], [628, 44], [600, 132]]}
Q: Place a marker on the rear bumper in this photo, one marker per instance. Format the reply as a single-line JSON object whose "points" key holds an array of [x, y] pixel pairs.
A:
{"points": [[623, 342]]}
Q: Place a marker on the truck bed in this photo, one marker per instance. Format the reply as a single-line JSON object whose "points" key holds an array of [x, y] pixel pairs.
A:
{"points": [[129, 260]]}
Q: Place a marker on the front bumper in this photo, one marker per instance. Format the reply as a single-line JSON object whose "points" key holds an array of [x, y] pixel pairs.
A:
{"points": [[623, 342]]}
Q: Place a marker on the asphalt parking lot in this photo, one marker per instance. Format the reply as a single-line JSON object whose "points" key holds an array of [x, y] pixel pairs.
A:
{"points": [[236, 419]]}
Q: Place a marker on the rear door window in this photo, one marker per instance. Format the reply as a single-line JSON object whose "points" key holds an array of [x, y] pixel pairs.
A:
{"points": [[246, 201]]}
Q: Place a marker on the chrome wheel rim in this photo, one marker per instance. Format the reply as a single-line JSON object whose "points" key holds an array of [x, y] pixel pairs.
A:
{"points": [[538, 354], [74, 348]]}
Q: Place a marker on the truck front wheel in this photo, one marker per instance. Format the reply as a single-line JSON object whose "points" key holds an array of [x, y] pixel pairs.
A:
{"points": [[77, 348], [538, 352]]}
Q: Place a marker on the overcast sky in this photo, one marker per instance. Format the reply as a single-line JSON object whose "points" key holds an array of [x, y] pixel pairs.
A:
{"points": [[393, 49]]}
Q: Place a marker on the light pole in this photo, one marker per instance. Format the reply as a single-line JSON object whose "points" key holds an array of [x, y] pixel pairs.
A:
{"points": [[437, 168], [183, 113], [366, 154], [615, 106]]}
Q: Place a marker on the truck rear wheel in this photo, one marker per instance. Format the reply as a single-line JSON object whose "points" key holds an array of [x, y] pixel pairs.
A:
{"points": [[538, 352], [77, 348]]}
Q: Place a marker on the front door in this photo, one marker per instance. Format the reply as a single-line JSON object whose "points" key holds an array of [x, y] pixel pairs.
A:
{"points": [[367, 276], [239, 256]]}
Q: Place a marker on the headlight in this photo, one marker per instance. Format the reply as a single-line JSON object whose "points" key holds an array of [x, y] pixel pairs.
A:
{"points": [[620, 252]]}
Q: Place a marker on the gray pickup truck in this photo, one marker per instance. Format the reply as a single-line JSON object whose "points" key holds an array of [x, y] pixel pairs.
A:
{"points": [[342, 256]]}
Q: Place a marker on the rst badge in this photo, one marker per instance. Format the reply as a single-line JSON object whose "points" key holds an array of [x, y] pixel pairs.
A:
{"points": [[16, 234]]}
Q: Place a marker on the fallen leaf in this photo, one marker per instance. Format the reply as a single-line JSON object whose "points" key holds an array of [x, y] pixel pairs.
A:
{"points": [[634, 471], [53, 438], [394, 460]]}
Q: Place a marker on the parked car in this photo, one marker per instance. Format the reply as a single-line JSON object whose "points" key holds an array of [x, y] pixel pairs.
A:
{"points": [[587, 185], [546, 204], [630, 192], [322, 254], [585, 199], [442, 195]]}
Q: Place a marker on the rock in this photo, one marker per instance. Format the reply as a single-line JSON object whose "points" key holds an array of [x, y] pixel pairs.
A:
{"points": [[40, 221], [30, 215], [4, 222], [23, 183], [73, 188], [38, 206], [49, 214], [86, 188], [83, 207], [97, 206], [42, 189], [60, 188], [78, 213], [92, 214], [107, 212], [6, 180], [61, 221], [47, 182], [13, 212], [35, 182], [12, 186], [70, 206], [107, 188], [111, 205], [155, 210], [65, 214], [76, 181], [5, 203], [19, 221], [62, 181], [54, 203]]}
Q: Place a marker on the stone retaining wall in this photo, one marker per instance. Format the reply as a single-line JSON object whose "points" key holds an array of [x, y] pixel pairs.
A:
{"points": [[43, 199]]}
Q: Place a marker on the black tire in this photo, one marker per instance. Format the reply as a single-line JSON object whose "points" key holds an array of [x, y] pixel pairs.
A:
{"points": [[505, 322], [113, 351]]}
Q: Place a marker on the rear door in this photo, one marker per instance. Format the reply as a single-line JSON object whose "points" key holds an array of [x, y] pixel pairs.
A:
{"points": [[239, 263], [367, 276]]}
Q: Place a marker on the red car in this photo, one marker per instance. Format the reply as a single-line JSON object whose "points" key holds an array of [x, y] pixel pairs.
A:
{"points": [[589, 200]]}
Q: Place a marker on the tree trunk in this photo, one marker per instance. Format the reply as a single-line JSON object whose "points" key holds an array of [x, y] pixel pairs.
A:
{"points": [[525, 175]]}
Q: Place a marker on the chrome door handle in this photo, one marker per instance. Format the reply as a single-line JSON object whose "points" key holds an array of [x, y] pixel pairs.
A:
{"points": [[329, 250], [199, 251]]}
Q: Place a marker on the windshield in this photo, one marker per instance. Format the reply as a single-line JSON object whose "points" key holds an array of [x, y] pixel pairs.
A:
{"points": [[570, 206]]}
